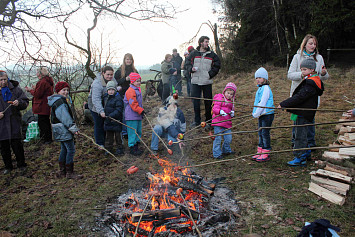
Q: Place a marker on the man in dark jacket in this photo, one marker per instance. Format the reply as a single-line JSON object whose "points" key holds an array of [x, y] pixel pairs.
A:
{"points": [[203, 64], [12, 101], [177, 61], [304, 96]]}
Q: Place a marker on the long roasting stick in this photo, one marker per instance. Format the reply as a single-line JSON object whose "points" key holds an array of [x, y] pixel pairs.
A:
{"points": [[190, 215], [140, 218]]}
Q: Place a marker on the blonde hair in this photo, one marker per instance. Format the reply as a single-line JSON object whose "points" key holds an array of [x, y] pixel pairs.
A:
{"points": [[123, 67], [167, 56], [43, 71], [304, 42]]}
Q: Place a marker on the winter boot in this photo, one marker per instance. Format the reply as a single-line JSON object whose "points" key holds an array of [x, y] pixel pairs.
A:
{"points": [[263, 157], [258, 152], [297, 162], [133, 151], [138, 151], [70, 172], [62, 170]]}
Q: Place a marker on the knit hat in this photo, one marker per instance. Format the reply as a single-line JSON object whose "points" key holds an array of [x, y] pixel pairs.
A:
{"points": [[111, 85], [261, 72], [308, 63], [60, 85], [190, 48], [134, 77], [232, 86]]}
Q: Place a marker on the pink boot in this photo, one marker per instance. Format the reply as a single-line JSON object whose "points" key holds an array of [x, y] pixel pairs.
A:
{"points": [[263, 157], [258, 152]]}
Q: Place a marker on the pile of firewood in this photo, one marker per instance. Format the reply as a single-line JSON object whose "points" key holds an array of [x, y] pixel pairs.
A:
{"points": [[333, 181]]}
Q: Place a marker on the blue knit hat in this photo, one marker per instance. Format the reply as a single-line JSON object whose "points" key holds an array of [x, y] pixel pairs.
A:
{"points": [[261, 72]]}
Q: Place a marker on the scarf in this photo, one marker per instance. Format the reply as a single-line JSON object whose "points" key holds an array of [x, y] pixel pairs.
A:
{"points": [[308, 54], [6, 93]]}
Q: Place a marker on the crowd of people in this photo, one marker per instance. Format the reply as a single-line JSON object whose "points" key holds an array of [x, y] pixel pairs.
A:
{"points": [[116, 105]]}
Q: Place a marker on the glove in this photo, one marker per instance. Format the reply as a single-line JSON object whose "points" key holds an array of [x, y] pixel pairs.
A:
{"points": [[143, 114], [232, 113], [221, 112]]}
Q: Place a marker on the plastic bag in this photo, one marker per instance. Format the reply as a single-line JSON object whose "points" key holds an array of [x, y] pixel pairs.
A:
{"points": [[32, 131]]}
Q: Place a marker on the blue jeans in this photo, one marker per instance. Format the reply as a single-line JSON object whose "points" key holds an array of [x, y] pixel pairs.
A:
{"points": [[300, 136], [161, 133], [132, 136], [99, 131], [264, 134], [67, 151], [226, 148], [311, 133]]}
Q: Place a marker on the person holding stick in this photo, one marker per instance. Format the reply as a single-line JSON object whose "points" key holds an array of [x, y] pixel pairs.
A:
{"points": [[263, 98], [134, 113], [64, 128], [304, 96], [221, 126]]}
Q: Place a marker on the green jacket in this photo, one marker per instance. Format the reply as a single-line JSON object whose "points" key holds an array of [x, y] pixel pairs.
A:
{"points": [[165, 74]]}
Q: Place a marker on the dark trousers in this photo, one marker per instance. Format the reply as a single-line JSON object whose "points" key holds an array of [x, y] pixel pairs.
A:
{"points": [[111, 138], [17, 148], [188, 85], [264, 134], [207, 94], [45, 128], [166, 91], [99, 131], [311, 133]]}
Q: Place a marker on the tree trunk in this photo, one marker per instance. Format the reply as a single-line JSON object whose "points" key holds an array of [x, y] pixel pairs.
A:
{"points": [[216, 42]]}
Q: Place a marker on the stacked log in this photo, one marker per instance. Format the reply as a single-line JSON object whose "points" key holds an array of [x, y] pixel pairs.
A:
{"points": [[333, 181]]}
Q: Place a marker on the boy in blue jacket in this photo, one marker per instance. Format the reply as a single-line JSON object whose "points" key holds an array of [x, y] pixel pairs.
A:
{"points": [[63, 128], [305, 96], [113, 106]]}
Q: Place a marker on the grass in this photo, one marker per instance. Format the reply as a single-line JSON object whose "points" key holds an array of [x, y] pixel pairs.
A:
{"points": [[273, 197]]}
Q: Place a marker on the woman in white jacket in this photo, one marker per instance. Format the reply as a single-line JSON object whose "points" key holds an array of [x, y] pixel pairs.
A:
{"points": [[307, 49]]}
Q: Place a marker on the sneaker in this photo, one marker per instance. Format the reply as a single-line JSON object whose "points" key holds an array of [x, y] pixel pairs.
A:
{"points": [[7, 171], [297, 162], [219, 157], [228, 153]]}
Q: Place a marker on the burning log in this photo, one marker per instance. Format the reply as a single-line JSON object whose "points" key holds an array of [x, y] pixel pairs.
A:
{"points": [[200, 180], [197, 187], [129, 228], [170, 221], [194, 213], [156, 215], [179, 227]]}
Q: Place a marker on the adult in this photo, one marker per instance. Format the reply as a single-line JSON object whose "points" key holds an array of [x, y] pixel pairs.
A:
{"points": [[166, 73], [177, 61], [122, 78], [13, 100], [203, 64], [308, 49], [40, 92], [98, 90], [171, 122]]}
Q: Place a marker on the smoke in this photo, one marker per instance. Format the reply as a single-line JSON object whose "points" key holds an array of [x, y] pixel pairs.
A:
{"points": [[166, 116]]}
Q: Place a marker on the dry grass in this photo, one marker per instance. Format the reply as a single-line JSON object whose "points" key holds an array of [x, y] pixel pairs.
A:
{"points": [[273, 197]]}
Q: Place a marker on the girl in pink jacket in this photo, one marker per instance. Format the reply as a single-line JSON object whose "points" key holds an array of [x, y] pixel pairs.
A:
{"points": [[224, 111]]}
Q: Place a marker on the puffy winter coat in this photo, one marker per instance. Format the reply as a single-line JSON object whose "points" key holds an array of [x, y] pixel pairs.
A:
{"points": [[113, 105], [217, 107], [63, 124], [10, 124], [178, 125], [133, 103], [208, 64], [305, 96], [264, 98], [97, 92], [165, 71], [122, 80], [294, 72], [43, 89]]}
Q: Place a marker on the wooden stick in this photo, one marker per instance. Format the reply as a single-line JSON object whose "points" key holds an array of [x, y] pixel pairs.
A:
{"points": [[150, 198], [271, 152], [240, 117], [190, 216], [198, 126], [135, 131], [156, 133], [6, 108], [236, 103], [257, 130], [101, 147]]}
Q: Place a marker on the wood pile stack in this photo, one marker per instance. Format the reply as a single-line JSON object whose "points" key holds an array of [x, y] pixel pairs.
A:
{"points": [[333, 181]]}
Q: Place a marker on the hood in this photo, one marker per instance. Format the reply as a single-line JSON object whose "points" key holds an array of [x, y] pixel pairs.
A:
{"points": [[13, 83], [198, 48], [49, 80], [54, 98], [316, 82]]}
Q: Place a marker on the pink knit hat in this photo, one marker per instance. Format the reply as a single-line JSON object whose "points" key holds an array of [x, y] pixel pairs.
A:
{"points": [[134, 77]]}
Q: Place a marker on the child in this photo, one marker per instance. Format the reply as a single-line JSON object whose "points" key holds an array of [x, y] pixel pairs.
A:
{"points": [[63, 127], [304, 96], [264, 98], [134, 113], [226, 110], [113, 106]]}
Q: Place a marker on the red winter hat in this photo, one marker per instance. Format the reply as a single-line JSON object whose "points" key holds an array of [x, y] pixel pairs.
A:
{"points": [[60, 85], [190, 48], [134, 77]]}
